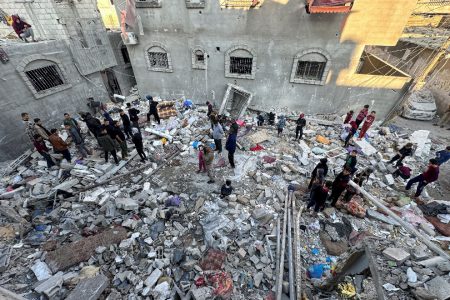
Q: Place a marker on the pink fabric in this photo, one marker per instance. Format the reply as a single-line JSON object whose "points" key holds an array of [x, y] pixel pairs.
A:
{"points": [[201, 161], [130, 17], [123, 15]]}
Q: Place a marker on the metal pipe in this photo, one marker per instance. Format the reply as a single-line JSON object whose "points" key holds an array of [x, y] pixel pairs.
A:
{"points": [[405, 225], [298, 262], [283, 246], [291, 263], [277, 264]]}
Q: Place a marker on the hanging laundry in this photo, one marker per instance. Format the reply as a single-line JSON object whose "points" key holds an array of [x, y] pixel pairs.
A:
{"points": [[130, 16]]}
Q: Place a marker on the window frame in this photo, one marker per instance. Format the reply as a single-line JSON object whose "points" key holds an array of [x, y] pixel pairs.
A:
{"points": [[314, 81], [196, 64], [229, 54], [164, 50], [148, 3], [199, 4], [45, 61]]}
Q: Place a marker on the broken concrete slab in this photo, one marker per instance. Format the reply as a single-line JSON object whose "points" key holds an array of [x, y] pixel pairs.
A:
{"points": [[396, 254], [5, 294], [41, 270], [439, 287], [380, 217], [127, 203], [153, 278], [90, 288], [51, 286], [365, 147], [5, 257], [79, 251]]}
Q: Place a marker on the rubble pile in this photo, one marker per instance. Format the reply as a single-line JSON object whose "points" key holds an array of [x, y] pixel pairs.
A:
{"points": [[157, 230]]}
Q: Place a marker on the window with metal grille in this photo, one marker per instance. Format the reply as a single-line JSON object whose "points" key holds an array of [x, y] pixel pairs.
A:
{"points": [[158, 60], [241, 65], [45, 78], [310, 70]]}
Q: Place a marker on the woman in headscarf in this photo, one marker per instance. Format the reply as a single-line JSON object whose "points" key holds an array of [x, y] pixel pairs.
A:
{"points": [[23, 29]]}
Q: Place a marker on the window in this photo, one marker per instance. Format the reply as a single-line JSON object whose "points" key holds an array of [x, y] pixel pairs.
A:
{"points": [[310, 70], [44, 78], [311, 67], [240, 62], [240, 4], [195, 3], [81, 37], [199, 58], [158, 59], [148, 3], [125, 55]]}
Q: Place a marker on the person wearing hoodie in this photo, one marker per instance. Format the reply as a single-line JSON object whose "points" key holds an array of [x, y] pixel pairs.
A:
{"points": [[134, 116], [40, 130], [93, 124], [22, 29], [301, 122], [319, 197], [153, 110], [281, 124], [314, 174], [126, 123], [429, 176], [136, 138], [218, 136], [107, 144], [362, 115]]}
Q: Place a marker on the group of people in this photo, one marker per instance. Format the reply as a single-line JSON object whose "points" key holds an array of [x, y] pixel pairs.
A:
{"points": [[363, 115], [281, 124]]}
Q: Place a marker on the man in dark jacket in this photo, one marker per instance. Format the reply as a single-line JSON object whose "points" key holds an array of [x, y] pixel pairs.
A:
{"points": [[230, 146], [40, 146], [260, 119], [226, 189], [320, 197], [430, 175], [153, 110], [78, 140], [137, 141], [339, 185], [301, 122], [93, 124], [134, 116], [126, 123], [351, 161], [107, 145], [210, 108], [405, 151], [321, 165], [120, 138]]}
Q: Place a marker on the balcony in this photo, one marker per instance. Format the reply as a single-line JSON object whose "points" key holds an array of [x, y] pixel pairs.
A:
{"points": [[328, 6]]}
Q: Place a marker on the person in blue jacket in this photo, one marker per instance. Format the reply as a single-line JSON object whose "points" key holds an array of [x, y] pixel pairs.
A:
{"points": [[443, 155], [230, 146]]}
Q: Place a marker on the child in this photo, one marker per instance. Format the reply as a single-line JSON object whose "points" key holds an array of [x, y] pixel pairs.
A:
{"points": [[136, 138], [402, 171], [353, 129], [201, 159], [209, 158], [319, 197], [226, 189], [367, 123], [301, 122], [40, 146], [348, 117], [362, 115]]}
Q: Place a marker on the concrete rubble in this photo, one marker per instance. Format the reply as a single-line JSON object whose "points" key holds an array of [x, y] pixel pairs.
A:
{"points": [[157, 230]]}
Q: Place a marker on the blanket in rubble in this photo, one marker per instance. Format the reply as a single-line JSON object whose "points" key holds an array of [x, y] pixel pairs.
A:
{"points": [[166, 109]]}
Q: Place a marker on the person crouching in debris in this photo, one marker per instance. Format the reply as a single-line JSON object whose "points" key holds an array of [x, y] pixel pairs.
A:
{"points": [[59, 146], [153, 110], [259, 119], [136, 138], [405, 151], [226, 189], [23, 29], [363, 176], [209, 158], [339, 185], [281, 124], [430, 175], [78, 140], [351, 133], [40, 146], [321, 165], [367, 123], [201, 159], [348, 117], [351, 161], [402, 171], [301, 122], [320, 197], [107, 144]]}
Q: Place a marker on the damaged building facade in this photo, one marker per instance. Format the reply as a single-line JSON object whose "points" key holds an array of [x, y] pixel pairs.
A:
{"points": [[280, 53], [74, 60]]}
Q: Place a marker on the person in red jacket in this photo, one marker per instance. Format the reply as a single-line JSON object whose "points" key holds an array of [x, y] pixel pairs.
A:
{"points": [[348, 117], [362, 114], [430, 175], [367, 123], [353, 129], [40, 146], [23, 29]]}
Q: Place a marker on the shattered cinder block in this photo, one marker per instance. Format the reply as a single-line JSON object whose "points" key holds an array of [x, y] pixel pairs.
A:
{"points": [[397, 254], [90, 288], [153, 278], [51, 286], [127, 204], [79, 251]]}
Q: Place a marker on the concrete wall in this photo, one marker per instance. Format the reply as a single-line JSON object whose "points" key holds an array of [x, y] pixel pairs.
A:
{"points": [[276, 32], [439, 84], [123, 71], [16, 97]]}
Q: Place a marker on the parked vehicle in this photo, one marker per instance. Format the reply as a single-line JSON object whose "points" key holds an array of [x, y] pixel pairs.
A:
{"points": [[420, 106]]}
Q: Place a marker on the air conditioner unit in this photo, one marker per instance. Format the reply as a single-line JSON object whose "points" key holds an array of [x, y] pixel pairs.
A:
{"points": [[130, 38]]}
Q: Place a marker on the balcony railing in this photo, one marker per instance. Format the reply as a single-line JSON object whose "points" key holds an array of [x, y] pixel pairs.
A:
{"points": [[328, 6]]}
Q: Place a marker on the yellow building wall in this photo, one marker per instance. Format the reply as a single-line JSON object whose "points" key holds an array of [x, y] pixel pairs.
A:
{"points": [[421, 20], [108, 13]]}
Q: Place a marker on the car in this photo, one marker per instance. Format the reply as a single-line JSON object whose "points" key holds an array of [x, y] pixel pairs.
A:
{"points": [[420, 106]]}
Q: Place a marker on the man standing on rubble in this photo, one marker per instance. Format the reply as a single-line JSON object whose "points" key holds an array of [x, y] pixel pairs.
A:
{"points": [[153, 110], [120, 138], [137, 141], [68, 120], [324, 167], [40, 129], [430, 175], [362, 115], [281, 124], [217, 135], [59, 146], [134, 116], [230, 145], [339, 185], [351, 133], [210, 108], [126, 123], [40, 146], [107, 145], [29, 127], [351, 161], [301, 122], [93, 124], [78, 140]]}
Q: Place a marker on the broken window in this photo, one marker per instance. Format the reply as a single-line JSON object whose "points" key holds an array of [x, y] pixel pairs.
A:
{"points": [[310, 70], [45, 78], [125, 55], [199, 59], [158, 59], [241, 65], [148, 3]]}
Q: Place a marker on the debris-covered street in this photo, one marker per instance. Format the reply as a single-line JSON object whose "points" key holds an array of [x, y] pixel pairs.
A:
{"points": [[156, 228]]}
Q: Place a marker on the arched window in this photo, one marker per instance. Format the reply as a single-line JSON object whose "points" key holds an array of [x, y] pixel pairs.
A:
{"points": [[158, 58], [240, 62], [199, 58], [42, 75], [80, 34], [311, 66]]}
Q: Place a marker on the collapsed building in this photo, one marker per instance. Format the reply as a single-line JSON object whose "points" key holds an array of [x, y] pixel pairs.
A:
{"points": [[156, 230]]}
